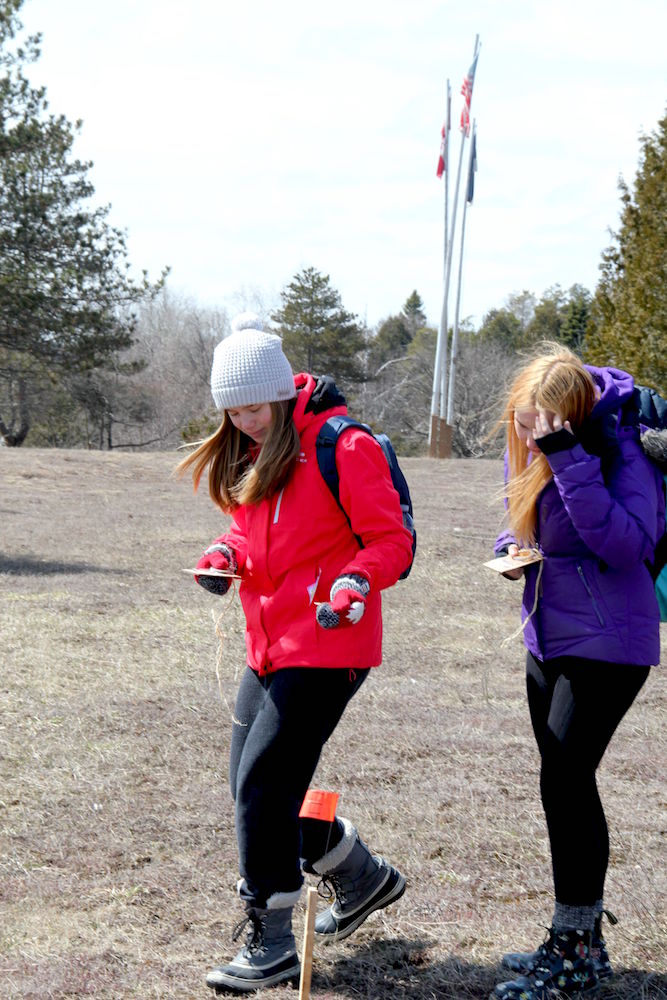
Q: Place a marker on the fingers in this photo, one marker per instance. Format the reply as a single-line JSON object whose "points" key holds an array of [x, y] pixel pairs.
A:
{"points": [[513, 574], [347, 608], [543, 424], [346, 599], [548, 423], [218, 560], [215, 558]]}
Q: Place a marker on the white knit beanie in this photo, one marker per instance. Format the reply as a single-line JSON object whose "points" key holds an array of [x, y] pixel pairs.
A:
{"points": [[249, 366]]}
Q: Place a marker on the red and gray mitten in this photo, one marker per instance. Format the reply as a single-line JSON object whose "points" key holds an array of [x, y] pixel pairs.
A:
{"points": [[348, 602], [216, 556]]}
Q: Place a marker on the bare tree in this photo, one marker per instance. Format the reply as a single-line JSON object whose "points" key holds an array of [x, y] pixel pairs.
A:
{"points": [[175, 340], [483, 370]]}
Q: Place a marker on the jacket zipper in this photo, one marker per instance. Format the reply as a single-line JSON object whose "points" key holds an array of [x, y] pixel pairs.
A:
{"points": [[276, 514], [590, 594], [266, 665]]}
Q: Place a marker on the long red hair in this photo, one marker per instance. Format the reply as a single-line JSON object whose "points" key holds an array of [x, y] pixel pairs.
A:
{"points": [[555, 380]]}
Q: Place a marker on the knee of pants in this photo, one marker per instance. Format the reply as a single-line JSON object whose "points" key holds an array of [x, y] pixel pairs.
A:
{"points": [[567, 784]]}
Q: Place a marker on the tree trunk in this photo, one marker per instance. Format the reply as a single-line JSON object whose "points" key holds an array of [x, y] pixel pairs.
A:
{"points": [[11, 438]]}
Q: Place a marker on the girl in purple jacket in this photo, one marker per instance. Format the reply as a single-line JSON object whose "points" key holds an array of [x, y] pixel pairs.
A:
{"points": [[580, 490]]}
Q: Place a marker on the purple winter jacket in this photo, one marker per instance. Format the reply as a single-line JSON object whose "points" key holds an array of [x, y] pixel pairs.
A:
{"points": [[596, 596]]}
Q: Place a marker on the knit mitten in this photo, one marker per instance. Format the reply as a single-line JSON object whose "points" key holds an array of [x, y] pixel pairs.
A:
{"points": [[347, 602], [216, 556]]}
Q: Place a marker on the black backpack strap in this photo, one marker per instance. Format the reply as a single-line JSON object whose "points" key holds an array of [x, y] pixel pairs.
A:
{"points": [[650, 406], [325, 447]]}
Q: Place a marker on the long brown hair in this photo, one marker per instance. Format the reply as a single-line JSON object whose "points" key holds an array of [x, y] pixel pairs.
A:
{"points": [[555, 380], [233, 477]]}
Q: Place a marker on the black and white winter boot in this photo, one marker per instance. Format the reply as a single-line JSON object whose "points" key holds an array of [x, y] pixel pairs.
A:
{"points": [[269, 955], [565, 969], [360, 881], [526, 961]]}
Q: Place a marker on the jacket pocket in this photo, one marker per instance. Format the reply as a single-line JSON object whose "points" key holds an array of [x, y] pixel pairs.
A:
{"points": [[590, 593]]}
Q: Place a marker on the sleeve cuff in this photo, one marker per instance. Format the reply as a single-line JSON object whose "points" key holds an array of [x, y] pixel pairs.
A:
{"points": [[561, 440]]}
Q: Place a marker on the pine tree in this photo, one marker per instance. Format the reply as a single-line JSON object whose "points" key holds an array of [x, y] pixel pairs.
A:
{"points": [[629, 322], [65, 294], [319, 335], [413, 312]]}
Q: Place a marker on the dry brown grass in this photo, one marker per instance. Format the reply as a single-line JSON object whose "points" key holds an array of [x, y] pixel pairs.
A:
{"points": [[117, 854]]}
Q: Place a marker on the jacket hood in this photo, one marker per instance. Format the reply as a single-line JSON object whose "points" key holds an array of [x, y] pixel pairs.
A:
{"points": [[615, 388], [315, 395]]}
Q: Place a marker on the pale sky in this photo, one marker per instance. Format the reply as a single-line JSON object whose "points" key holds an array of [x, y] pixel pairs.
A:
{"points": [[239, 142]]}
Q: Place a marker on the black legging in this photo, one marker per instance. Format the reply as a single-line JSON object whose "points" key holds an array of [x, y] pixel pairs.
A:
{"points": [[575, 706], [281, 723]]}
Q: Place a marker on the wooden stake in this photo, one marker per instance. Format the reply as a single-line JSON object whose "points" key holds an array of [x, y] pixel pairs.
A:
{"points": [[307, 951]]}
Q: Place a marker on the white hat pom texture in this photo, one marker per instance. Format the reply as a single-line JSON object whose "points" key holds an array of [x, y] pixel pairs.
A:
{"points": [[247, 321], [249, 366]]}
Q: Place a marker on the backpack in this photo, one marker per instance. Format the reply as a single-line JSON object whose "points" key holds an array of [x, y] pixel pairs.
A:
{"points": [[648, 410], [326, 460]]}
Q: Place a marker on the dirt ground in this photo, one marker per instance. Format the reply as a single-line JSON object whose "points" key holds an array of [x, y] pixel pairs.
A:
{"points": [[117, 851]]}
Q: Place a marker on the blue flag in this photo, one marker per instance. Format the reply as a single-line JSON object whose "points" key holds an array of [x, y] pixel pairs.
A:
{"points": [[472, 169]]}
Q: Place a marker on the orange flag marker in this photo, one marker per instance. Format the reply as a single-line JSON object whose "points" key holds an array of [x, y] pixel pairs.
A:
{"points": [[319, 805]]}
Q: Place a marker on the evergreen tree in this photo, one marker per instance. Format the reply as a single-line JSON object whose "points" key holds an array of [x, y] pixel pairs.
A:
{"points": [[547, 319], [414, 314], [319, 335], [65, 294], [630, 303], [502, 327], [389, 343], [575, 318]]}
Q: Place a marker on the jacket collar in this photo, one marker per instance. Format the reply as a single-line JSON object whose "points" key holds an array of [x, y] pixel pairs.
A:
{"points": [[316, 395]]}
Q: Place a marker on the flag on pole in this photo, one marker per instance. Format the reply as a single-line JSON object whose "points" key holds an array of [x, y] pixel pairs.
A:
{"points": [[318, 804], [445, 132], [472, 169], [442, 159], [466, 90]]}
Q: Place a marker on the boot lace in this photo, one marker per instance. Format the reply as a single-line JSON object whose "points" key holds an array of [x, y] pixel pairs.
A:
{"points": [[254, 928], [545, 949], [331, 887]]}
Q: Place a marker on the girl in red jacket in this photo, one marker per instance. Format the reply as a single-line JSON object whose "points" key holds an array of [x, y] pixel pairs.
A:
{"points": [[311, 598]]}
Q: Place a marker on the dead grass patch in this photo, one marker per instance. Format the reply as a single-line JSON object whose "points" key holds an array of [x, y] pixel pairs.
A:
{"points": [[117, 854]]}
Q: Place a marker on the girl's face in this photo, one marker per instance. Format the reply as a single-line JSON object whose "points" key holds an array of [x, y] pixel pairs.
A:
{"points": [[254, 420], [524, 426]]}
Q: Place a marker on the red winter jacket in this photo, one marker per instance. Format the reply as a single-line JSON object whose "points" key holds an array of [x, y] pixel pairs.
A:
{"points": [[292, 546]]}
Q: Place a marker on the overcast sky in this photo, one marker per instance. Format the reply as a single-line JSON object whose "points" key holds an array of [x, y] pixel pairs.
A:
{"points": [[241, 142]]}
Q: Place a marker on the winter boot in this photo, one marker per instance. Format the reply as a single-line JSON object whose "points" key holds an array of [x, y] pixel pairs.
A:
{"points": [[599, 955], [362, 882], [565, 969], [525, 962], [269, 954]]}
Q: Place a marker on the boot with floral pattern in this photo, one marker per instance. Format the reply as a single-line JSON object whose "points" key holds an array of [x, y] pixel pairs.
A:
{"points": [[564, 969]]}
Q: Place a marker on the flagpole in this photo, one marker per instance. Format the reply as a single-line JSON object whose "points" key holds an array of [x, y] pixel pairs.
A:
{"points": [[444, 322], [464, 135], [455, 331], [440, 428], [439, 390]]}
